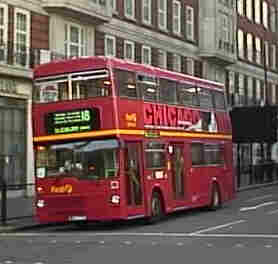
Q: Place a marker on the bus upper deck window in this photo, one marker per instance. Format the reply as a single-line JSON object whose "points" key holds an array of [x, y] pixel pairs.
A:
{"points": [[205, 98], [219, 100], [148, 86], [187, 95], [125, 84], [44, 93]]}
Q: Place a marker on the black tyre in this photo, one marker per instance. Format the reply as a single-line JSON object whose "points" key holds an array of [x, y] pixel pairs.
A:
{"points": [[215, 198]]}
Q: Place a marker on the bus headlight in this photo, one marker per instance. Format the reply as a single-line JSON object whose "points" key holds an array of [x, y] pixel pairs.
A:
{"points": [[115, 199], [40, 203]]}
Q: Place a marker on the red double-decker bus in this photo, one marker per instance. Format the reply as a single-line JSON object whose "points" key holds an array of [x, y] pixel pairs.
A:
{"points": [[119, 140]]}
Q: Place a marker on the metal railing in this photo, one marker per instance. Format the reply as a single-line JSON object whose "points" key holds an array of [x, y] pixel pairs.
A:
{"points": [[26, 57]]}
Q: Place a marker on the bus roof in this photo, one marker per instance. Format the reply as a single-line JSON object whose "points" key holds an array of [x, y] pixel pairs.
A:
{"points": [[82, 64]]}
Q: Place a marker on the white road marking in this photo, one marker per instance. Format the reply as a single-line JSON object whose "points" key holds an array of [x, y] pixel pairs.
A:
{"points": [[259, 198], [217, 227], [243, 209], [255, 236], [272, 212], [268, 246], [239, 245]]}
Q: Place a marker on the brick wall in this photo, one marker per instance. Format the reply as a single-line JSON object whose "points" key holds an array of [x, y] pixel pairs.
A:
{"points": [[39, 31]]}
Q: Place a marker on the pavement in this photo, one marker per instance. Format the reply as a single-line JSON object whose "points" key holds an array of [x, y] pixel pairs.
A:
{"points": [[21, 213]]}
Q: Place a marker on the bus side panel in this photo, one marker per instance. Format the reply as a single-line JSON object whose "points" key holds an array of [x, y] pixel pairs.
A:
{"points": [[200, 185]]}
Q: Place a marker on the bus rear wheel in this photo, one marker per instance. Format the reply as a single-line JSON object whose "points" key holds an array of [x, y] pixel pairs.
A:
{"points": [[157, 212], [215, 198]]}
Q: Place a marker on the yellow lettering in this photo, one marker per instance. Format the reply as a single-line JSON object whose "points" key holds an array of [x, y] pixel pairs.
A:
{"points": [[130, 117], [67, 188]]}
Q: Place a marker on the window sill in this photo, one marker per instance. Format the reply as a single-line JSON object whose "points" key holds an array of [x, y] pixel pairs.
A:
{"points": [[165, 30], [133, 19]]}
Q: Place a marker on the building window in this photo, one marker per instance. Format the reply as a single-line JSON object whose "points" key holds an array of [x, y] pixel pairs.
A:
{"points": [[249, 9], [265, 14], [266, 53], [250, 90], [22, 30], [3, 31], [273, 88], [113, 4], [74, 40], [146, 55], [147, 11], [258, 91], [240, 43], [129, 50], [100, 2], [258, 11], [240, 8], [110, 46], [224, 28], [176, 63], [13, 140], [273, 15], [231, 87], [218, 74], [129, 9], [273, 56], [249, 47], [177, 17], [258, 50], [240, 97], [190, 66], [190, 23], [162, 14], [162, 59]]}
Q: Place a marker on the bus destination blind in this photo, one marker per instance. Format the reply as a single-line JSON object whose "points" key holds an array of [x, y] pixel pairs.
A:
{"points": [[73, 121]]}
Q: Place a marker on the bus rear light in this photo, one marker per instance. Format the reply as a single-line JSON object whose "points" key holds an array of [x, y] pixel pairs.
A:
{"points": [[39, 189], [41, 148], [107, 83], [115, 199], [40, 203]]}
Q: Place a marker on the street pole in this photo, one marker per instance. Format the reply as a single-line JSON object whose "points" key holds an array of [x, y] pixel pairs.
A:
{"points": [[268, 166], [3, 187]]}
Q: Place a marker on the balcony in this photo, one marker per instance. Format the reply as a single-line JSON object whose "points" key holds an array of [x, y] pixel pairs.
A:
{"points": [[96, 11], [19, 60], [217, 28], [220, 52]]}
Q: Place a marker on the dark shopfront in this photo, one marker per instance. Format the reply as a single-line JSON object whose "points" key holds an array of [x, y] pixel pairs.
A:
{"points": [[255, 145], [13, 141], [252, 166]]}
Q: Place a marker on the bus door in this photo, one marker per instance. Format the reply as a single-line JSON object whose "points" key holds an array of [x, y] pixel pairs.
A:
{"points": [[134, 179], [179, 171]]}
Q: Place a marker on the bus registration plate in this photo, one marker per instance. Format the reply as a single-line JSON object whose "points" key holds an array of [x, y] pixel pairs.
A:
{"points": [[77, 218]]}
